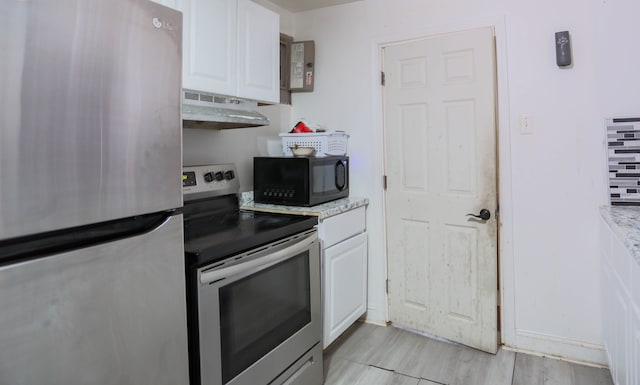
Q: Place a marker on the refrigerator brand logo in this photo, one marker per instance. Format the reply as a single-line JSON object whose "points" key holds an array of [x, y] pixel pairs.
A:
{"points": [[162, 24]]}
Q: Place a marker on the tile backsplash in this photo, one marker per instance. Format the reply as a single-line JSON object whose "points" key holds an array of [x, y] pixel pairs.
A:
{"points": [[623, 143]]}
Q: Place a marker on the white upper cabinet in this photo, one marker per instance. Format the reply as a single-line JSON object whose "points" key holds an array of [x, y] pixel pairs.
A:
{"points": [[258, 52], [209, 58], [231, 47]]}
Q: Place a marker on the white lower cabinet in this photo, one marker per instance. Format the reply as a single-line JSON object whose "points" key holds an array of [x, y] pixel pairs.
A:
{"points": [[621, 310], [620, 349], [635, 347], [344, 280], [345, 290]]}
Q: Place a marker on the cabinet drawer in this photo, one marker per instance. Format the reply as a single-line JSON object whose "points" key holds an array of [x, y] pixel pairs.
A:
{"points": [[342, 226]]}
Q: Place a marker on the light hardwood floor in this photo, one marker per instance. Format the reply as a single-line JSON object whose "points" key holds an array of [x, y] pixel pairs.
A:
{"points": [[374, 355]]}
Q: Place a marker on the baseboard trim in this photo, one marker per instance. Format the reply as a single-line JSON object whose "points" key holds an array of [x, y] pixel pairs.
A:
{"points": [[374, 322], [375, 316], [567, 349]]}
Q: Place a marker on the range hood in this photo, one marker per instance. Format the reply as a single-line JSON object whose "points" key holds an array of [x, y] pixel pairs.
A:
{"points": [[204, 110]]}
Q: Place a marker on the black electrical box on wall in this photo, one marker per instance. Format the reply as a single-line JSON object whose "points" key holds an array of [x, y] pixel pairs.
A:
{"points": [[563, 49]]}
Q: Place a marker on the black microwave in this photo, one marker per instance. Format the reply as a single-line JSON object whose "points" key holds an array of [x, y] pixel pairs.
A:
{"points": [[300, 181]]}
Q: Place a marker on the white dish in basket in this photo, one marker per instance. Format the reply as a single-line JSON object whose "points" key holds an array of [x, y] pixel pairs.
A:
{"points": [[302, 151]]}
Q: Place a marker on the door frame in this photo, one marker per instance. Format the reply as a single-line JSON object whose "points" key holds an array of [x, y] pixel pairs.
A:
{"points": [[503, 136]]}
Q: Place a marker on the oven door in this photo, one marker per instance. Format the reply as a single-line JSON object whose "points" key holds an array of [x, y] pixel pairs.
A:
{"points": [[259, 312]]}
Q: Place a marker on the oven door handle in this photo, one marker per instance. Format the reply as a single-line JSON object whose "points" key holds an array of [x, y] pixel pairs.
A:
{"points": [[269, 260]]}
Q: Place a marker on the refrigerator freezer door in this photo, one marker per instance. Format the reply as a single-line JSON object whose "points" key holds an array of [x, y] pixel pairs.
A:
{"points": [[110, 314], [90, 126]]}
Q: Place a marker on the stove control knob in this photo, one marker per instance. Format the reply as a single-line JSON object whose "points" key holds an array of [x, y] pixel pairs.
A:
{"points": [[229, 175], [208, 177], [219, 176]]}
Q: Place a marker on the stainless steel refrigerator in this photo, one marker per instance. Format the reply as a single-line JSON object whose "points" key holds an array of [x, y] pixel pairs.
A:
{"points": [[91, 250]]}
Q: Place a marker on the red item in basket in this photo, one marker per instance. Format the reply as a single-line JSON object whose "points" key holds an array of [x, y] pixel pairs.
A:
{"points": [[300, 127]]}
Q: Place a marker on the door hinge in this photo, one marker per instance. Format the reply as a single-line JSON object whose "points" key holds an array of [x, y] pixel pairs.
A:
{"points": [[384, 182], [382, 78], [386, 289]]}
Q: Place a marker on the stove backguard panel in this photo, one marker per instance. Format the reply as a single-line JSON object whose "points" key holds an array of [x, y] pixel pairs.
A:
{"points": [[623, 143]]}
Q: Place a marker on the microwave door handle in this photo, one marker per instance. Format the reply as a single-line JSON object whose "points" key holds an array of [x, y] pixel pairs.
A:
{"points": [[340, 177], [280, 255]]}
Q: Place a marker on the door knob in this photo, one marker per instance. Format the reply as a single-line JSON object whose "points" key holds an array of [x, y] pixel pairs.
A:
{"points": [[484, 214]]}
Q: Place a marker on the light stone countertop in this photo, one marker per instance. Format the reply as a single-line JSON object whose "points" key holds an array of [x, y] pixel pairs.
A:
{"points": [[625, 222], [322, 211]]}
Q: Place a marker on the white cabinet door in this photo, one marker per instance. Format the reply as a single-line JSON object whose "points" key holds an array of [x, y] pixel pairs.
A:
{"points": [[606, 271], [345, 286], [621, 310], [621, 332], [635, 347], [209, 46], [231, 47], [258, 52]]}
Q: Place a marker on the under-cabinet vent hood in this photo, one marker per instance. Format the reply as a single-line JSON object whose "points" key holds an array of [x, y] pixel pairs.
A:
{"points": [[203, 110]]}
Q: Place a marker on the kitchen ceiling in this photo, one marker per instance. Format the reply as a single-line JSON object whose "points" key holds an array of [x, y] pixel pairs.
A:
{"points": [[307, 5]]}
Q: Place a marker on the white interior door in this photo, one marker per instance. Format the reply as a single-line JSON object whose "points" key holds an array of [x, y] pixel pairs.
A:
{"points": [[440, 155]]}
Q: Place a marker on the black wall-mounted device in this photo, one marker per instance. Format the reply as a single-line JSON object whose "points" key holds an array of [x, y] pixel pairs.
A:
{"points": [[563, 49]]}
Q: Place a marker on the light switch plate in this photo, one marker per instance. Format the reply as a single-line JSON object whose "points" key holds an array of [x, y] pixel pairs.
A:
{"points": [[525, 124]]}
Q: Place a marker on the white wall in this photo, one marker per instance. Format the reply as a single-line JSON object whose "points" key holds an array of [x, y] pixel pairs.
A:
{"points": [[618, 57], [552, 181]]}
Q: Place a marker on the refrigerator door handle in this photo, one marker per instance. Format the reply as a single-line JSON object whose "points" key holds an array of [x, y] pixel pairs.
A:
{"points": [[60, 241]]}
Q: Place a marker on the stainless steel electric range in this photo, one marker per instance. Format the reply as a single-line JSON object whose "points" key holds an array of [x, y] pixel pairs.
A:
{"points": [[253, 287]]}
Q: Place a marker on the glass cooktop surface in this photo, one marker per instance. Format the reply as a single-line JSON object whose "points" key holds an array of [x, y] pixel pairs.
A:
{"points": [[210, 238]]}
